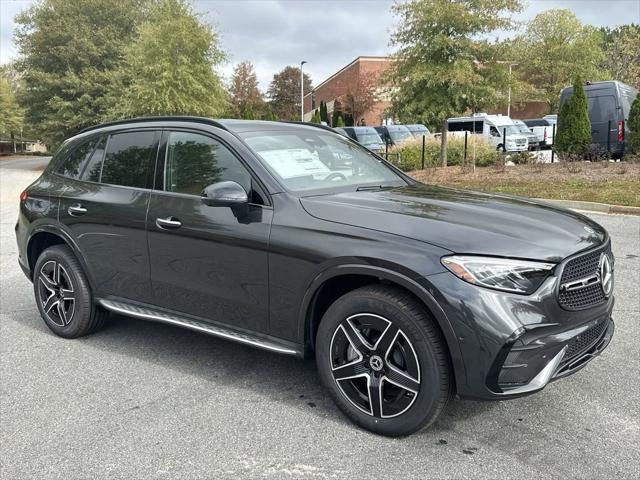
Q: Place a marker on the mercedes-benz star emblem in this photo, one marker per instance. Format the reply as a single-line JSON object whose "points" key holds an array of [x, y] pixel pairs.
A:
{"points": [[606, 274], [376, 363]]}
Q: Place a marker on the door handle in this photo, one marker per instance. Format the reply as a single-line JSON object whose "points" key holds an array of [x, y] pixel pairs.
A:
{"points": [[76, 210], [168, 223]]}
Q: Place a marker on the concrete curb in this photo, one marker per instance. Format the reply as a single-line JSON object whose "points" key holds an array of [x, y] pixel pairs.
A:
{"points": [[594, 206]]}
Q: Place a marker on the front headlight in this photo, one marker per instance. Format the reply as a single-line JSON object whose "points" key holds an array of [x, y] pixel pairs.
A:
{"points": [[518, 276]]}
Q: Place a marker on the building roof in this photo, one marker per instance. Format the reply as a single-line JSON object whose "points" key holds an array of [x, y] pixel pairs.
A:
{"points": [[356, 60]]}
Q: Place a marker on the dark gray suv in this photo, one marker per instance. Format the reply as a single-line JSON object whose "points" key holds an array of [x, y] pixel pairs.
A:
{"points": [[294, 239]]}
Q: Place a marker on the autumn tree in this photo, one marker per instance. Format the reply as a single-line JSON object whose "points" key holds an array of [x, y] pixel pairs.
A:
{"points": [[284, 93], [444, 65], [244, 92], [360, 95], [555, 48], [169, 68]]}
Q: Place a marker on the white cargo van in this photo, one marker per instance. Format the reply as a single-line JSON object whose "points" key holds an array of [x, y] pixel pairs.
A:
{"points": [[493, 129]]}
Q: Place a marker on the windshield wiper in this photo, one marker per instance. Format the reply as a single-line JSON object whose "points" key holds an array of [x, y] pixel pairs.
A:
{"points": [[373, 187]]}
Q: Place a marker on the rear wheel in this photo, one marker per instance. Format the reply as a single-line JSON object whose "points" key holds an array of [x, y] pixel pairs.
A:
{"points": [[383, 360], [63, 295]]}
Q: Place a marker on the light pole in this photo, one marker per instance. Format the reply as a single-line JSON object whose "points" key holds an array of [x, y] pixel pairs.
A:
{"points": [[509, 96], [302, 91]]}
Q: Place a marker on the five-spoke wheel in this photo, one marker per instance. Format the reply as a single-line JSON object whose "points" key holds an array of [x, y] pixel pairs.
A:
{"points": [[383, 360], [63, 294], [375, 365], [56, 293]]}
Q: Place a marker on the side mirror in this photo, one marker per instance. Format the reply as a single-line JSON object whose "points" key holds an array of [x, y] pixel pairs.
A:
{"points": [[225, 194]]}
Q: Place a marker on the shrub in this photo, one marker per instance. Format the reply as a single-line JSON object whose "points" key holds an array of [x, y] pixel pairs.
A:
{"points": [[574, 127], [411, 153], [634, 127]]}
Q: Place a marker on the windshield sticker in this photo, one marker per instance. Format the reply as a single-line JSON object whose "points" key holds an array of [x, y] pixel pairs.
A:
{"points": [[295, 162]]}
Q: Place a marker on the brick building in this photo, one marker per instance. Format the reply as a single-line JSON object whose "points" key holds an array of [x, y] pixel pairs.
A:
{"points": [[347, 80]]}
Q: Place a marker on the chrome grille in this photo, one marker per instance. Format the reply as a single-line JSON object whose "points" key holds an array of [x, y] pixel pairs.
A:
{"points": [[582, 267]]}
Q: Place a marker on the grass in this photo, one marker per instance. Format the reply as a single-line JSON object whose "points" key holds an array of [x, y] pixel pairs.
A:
{"points": [[605, 182]]}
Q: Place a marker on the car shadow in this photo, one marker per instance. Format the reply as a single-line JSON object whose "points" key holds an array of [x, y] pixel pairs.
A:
{"points": [[283, 379]]}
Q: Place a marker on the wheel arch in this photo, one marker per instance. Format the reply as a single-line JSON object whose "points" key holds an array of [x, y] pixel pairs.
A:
{"points": [[46, 236], [335, 282]]}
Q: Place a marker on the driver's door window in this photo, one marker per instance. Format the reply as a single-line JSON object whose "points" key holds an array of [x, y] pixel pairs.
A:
{"points": [[494, 132], [196, 161]]}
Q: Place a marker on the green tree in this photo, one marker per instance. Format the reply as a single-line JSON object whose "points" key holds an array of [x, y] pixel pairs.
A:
{"points": [[337, 112], [67, 51], [574, 128], [11, 115], [268, 114], [324, 115], [621, 58], [244, 92], [339, 121], [168, 70], [315, 118], [634, 126], [284, 93], [444, 65], [554, 48]]}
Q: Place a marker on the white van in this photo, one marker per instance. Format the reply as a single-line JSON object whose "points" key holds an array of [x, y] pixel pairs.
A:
{"points": [[493, 129]]}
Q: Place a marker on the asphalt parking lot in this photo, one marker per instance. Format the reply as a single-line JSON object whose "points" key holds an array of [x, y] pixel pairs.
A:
{"points": [[144, 400]]}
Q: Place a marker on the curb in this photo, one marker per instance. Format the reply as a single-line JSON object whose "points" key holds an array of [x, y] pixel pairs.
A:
{"points": [[594, 207]]}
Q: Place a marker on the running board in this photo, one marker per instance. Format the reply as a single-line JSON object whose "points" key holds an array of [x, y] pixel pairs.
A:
{"points": [[146, 313]]}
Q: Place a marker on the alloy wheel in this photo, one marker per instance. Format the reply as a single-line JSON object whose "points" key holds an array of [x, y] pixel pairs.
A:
{"points": [[56, 293], [375, 365]]}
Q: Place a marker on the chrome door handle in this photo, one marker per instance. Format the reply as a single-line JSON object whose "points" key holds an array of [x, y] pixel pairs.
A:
{"points": [[168, 223], [76, 210]]}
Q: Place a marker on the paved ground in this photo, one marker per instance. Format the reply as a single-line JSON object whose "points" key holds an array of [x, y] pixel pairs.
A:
{"points": [[143, 400]]}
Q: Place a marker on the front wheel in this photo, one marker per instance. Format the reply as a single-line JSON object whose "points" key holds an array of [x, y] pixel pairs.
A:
{"points": [[383, 360]]}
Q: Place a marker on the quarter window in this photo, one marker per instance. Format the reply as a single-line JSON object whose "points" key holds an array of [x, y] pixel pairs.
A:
{"points": [[93, 166], [196, 161], [129, 159], [74, 162]]}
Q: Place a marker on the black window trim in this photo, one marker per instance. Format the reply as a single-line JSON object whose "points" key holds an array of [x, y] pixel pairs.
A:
{"points": [[159, 187]]}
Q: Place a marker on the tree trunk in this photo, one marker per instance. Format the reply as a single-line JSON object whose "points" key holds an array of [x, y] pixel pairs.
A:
{"points": [[443, 143]]}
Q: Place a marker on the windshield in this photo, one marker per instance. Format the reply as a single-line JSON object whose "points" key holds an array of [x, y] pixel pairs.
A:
{"points": [[369, 138], [522, 128], [303, 160], [511, 129], [399, 134]]}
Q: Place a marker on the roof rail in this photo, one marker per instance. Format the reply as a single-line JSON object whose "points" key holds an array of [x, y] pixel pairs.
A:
{"points": [[309, 124], [177, 118]]}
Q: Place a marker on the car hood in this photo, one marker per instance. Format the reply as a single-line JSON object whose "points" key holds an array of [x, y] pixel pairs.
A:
{"points": [[464, 221]]}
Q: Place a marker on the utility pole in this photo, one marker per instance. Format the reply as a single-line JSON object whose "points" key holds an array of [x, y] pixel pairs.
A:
{"points": [[302, 91]]}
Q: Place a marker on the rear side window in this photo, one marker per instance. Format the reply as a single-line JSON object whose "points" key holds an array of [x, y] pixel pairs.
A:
{"points": [[128, 160], [75, 160]]}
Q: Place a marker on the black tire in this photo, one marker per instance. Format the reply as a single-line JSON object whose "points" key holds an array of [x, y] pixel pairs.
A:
{"points": [[421, 350], [68, 290]]}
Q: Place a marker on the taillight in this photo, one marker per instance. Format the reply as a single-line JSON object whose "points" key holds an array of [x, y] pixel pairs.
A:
{"points": [[621, 130], [24, 195]]}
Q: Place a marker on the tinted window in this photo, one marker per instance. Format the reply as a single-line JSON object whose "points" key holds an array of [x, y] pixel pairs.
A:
{"points": [[76, 158], [94, 163], [602, 109], [128, 160], [195, 161]]}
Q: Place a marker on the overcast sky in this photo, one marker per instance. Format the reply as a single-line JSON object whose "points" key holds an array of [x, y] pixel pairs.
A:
{"points": [[328, 34]]}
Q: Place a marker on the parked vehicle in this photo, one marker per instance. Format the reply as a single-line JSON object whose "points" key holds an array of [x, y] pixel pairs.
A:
{"points": [[406, 293], [533, 139], [609, 106], [551, 118], [418, 130], [493, 128], [543, 128], [394, 134], [367, 136]]}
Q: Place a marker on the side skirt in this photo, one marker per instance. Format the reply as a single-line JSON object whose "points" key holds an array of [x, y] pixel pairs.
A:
{"points": [[145, 312]]}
